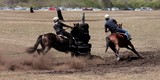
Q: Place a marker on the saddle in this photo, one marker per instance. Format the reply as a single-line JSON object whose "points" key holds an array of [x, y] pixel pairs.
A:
{"points": [[61, 36], [119, 35], [124, 36]]}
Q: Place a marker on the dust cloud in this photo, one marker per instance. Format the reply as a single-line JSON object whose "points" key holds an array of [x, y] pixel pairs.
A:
{"points": [[45, 62]]}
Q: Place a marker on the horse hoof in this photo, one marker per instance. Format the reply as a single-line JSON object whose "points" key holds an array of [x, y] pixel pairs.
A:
{"points": [[141, 57], [118, 59]]}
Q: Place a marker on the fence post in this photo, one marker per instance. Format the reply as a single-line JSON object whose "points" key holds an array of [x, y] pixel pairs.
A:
{"points": [[83, 18]]}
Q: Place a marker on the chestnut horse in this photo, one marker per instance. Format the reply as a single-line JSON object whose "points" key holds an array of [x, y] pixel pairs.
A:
{"points": [[118, 40], [51, 40]]}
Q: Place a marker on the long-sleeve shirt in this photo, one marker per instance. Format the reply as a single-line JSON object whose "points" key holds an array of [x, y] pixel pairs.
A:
{"points": [[58, 26], [111, 24]]}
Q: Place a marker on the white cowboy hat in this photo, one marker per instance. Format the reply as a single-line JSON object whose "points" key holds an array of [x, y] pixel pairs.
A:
{"points": [[106, 16], [55, 19]]}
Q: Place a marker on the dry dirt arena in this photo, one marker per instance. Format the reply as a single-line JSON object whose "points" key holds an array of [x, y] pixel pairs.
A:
{"points": [[19, 30]]}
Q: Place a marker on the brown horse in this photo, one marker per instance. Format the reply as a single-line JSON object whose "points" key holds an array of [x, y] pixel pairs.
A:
{"points": [[51, 40], [118, 40], [60, 43]]}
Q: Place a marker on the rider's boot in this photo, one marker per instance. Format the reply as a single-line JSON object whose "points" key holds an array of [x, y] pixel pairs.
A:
{"points": [[128, 36], [71, 44]]}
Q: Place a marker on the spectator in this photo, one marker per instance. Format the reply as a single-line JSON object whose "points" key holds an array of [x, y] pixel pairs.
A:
{"points": [[31, 10]]}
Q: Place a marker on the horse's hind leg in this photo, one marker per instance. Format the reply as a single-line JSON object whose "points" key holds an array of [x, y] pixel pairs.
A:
{"points": [[46, 50], [42, 49], [72, 54], [133, 49]]}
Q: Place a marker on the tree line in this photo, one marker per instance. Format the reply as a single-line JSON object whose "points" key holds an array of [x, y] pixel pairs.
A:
{"points": [[83, 3]]}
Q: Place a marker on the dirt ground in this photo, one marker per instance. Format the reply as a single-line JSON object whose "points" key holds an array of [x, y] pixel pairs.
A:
{"points": [[19, 30]]}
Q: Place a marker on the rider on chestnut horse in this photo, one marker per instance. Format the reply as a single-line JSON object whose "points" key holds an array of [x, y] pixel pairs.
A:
{"points": [[112, 25]]}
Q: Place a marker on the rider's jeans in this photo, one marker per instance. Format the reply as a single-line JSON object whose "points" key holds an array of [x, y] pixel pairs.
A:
{"points": [[123, 31]]}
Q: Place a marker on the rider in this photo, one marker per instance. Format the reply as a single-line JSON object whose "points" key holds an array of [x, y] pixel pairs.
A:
{"points": [[58, 27], [112, 25]]}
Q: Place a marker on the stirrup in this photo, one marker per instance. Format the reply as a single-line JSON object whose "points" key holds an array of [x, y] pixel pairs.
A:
{"points": [[72, 46]]}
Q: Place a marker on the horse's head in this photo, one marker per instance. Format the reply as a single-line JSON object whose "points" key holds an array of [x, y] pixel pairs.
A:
{"points": [[76, 30], [76, 24], [81, 32], [120, 25], [83, 27]]}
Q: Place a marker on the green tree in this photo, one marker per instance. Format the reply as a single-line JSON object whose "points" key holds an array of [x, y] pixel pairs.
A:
{"points": [[105, 3], [83, 3]]}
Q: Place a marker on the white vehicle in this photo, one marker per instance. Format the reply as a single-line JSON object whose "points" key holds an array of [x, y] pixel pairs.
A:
{"points": [[137, 9], [19, 8], [114, 9]]}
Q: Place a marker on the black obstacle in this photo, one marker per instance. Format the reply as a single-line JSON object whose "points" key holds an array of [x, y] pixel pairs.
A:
{"points": [[82, 40]]}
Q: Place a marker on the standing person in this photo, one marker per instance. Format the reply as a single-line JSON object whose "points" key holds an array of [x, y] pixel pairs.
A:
{"points": [[58, 27], [112, 25], [31, 10], [59, 14]]}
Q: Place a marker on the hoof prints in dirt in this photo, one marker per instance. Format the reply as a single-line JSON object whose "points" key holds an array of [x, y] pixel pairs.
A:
{"points": [[129, 64], [150, 58]]}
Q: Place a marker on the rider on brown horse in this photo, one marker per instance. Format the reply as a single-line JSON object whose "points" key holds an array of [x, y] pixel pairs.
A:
{"points": [[58, 27], [112, 25]]}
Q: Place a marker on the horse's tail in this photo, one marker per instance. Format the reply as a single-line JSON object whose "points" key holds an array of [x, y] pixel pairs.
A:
{"points": [[34, 48], [107, 43]]}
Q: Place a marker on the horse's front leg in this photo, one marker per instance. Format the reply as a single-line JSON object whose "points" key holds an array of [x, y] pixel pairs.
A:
{"points": [[117, 53], [72, 54], [89, 56], [107, 44]]}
